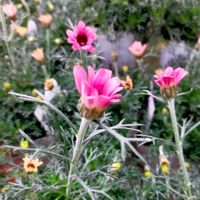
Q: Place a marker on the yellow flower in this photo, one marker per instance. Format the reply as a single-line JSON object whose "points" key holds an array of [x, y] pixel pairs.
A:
{"points": [[5, 189], [163, 161], [50, 6], [187, 165], [57, 41], [19, 5], [147, 171], [125, 68], [31, 39], [165, 168], [147, 174], [30, 164], [21, 31], [115, 167], [164, 164], [128, 83], [24, 143], [6, 86], [164, 110]]}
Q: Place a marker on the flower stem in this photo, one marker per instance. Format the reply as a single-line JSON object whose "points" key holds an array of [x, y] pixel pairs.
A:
{"points": [[77, 151], [116, 68], [179, 147], [5, 33], [48, 42]]}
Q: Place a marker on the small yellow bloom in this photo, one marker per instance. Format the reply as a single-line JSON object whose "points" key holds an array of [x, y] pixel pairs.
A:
{"points": [[31, 39], [5, 189], [21, 31], [128, 83], [19, 5], [147, 174], [50, 6], [30, 164], [165, 168], [115, 167], [164, 110], [163, 161], [58, 41], [125, 68], [24, 143], [147, 171], [187, 165], [6, 86]]}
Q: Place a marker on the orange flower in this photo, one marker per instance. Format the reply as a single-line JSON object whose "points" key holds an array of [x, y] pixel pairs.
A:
{"points": [[45, 20], [38, 55], [50, 83], [128, 83], [21, 31], [10, 10], [30, 164]]}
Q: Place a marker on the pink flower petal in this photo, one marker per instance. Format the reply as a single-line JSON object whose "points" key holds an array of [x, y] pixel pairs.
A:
{"points": [[80, 76]]}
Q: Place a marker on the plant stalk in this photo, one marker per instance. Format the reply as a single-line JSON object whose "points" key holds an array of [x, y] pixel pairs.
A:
{"points": [[77, 151], [179, 147], [5, 33]]}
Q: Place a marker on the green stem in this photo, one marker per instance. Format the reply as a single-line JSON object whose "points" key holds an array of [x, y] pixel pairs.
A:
{"points": [[116, 68], [5, 33], [48, 42], [179, 147], [77, 151]]}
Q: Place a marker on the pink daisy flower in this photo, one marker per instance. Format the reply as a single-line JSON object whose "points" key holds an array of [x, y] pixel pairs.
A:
{"points": [[82, 37]]}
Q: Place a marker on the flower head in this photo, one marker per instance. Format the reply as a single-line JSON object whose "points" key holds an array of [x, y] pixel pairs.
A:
{"points": [[7, 86], [45, 20], [50, 83], [98, 90], [163, 161], [21, 31], [82, 37], [10, 10], [24, 143], [137, 49], [168, 80], [30, 164], [147, 171], [38, 55], [128, 83], [115, 167]]}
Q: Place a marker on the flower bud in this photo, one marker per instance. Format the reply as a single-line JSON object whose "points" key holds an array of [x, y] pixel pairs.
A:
{"points": [[58, 41], [115, 167], [163, 161], [147, 171], [24, 143], [6, 86], [38, 55], [45, 20], [21, 31]]}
